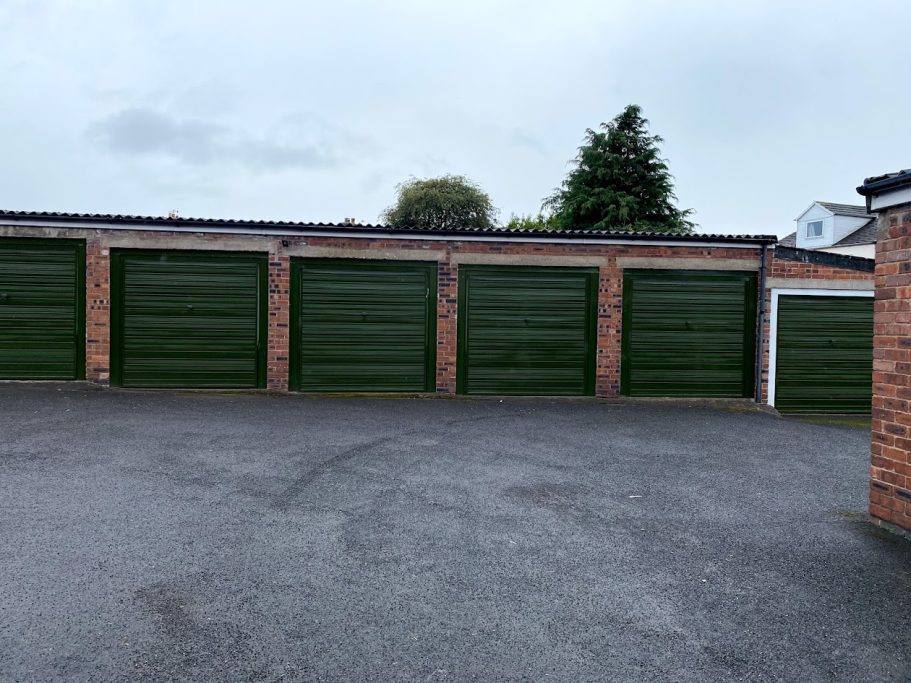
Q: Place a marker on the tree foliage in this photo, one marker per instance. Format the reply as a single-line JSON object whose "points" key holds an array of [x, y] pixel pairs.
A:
{"points": [[619, 182], [447, 202], [543, 221]]}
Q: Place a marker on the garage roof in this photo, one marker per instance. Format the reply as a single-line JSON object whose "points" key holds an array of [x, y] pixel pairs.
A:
{"points": [[98, 220]]}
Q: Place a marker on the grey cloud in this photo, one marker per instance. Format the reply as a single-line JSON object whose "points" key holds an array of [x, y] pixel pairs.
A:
{"points": [[217, 109], [146, 132], [523, 138], [204, 99]]}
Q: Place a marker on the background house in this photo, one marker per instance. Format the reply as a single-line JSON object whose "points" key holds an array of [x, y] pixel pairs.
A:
{"points": [[835, 228]]}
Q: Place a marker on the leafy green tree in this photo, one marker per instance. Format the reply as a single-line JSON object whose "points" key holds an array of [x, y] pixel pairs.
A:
{"points": [[620, 182], [542, 221], [450, 201]]}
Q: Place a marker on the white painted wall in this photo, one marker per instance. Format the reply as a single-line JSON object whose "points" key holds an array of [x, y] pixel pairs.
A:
{"points": [[862, 250]]}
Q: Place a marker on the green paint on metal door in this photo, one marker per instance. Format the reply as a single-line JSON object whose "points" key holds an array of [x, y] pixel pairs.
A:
{"points": [[363, 325], [42, 309], [188, 319], [688, 333], [824, 354], [527, 330]]}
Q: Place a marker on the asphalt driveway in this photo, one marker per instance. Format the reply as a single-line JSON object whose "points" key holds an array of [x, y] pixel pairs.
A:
{"points": [[177, 536]]}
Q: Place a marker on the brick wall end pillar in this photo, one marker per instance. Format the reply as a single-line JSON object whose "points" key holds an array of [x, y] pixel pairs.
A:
{"points": [[609, 326], [279, 345], [97, 312], [447, 326], [890, 450]]}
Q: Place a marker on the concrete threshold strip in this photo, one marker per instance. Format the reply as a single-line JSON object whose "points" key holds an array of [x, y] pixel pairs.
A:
{"points": [[741, 404]]}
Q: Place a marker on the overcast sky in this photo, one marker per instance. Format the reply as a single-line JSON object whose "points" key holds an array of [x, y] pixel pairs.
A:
{"points": [[290, 109]]}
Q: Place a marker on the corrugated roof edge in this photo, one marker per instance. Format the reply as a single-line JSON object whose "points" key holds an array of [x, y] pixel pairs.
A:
{"points": [[202, 223]]}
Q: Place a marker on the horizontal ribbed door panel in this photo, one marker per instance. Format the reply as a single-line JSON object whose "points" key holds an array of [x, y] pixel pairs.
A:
{"points": [[527, 330], [366, 326], [688, 333], [824, 354], [42, 309], [188, 319]]}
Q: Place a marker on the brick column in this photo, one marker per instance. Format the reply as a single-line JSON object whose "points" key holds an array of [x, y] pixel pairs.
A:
{"points": [[890, 471], [279, 316], [447, 326], [610, 316], [97, 312]]}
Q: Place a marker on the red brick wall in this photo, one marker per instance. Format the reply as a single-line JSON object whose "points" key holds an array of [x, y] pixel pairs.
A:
{"points": [[610, 305], [797, 270], [97, 312], [779, 267], [890, 470], [447, 328], [279, 316]]}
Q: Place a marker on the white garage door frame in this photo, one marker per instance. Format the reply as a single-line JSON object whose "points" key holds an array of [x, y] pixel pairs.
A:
{"points": [[773, 323]]}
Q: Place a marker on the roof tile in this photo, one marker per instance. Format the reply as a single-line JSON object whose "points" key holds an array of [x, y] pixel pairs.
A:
{"points": [[846, 209], [866, 234], [789, 240]]}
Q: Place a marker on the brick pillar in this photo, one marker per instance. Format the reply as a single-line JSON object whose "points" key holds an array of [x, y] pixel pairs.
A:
{"points": [[610, 316], [766, 336], [447, 326], [97, 312], [890, 471], [279, 317]]}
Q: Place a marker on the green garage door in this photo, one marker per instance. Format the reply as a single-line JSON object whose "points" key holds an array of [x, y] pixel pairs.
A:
{"points": [[688, 333], [363, 325], [188, 319], [42, 309], [824, 354], [525, 330]]}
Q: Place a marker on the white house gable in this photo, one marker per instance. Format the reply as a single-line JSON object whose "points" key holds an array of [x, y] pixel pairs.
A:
{"points": [[816, 228]]}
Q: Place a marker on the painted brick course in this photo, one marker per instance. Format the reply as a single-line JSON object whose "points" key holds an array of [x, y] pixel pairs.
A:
{"points": [[890, 449]]}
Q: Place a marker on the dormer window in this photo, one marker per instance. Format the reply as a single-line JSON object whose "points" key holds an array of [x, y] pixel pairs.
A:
{"points": [[814, 229]]}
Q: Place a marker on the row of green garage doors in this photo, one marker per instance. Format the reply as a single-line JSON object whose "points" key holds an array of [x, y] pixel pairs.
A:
{"points": [[199, 319]]}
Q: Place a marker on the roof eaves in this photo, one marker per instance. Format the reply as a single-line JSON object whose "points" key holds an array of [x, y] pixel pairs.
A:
{"points": [[886, 181], [166, 220], [203, 223], [589, 234]]}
